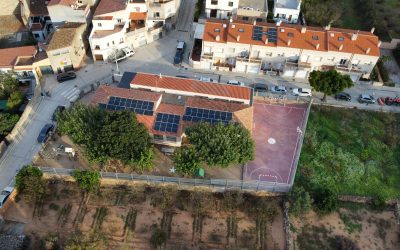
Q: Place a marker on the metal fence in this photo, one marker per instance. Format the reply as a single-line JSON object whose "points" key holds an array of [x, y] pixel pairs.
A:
{"points": [[217, 184]]}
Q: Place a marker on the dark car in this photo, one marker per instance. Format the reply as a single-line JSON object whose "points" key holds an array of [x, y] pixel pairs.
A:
{"points": [[180, 50], [59, 109], [260, 87], [44, 133], [343, 96], [62, 77], [365, 98]]}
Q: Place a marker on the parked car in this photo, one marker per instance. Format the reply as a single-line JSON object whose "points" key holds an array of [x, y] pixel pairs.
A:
{"points": [[302, 92], [5, 194], [343, 96], [62, 77], [121, 54], [260, 87], [128, 52], [392, 101], [180, 76], [236, 83], [207, 79], [279, 90], [45, 132], [180, 51], [59, 109], [366, 98]]}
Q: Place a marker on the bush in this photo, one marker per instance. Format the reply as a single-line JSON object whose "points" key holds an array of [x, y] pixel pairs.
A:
{"points": [[300, 201], [383, 71], [186, 160], [378, 202], [15, 100], [325, 199], [158, 238], [7, 123], [198, 10], [87, 180], [29, 181]]}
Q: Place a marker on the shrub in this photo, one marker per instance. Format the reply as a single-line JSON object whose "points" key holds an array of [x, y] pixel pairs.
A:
{"points": [[300, 201], [30, 182], [15, 100], [383, 71], [378, 202], [87, 180], [325, 199], [158, 238], [186, 160]]}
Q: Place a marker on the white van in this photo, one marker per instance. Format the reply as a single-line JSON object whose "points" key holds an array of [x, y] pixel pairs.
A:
{"points": [[234, 82], [207, 79], [128, 52], [302, 92]]}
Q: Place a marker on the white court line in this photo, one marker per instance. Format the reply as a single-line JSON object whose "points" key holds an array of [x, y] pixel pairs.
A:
{"points": [[270, 169]]}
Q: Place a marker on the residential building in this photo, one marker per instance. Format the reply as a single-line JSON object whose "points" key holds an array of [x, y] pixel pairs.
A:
{"points": [[74, 11], [36, 17], [221, 9], [133, 23], [287, 11], [287, 49], [252, 10], [167, 105], [13, 32], [66, 49]]}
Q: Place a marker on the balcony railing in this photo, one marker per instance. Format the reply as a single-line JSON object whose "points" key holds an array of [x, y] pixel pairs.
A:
{"points": [[156, 26], [351, 68], [207, 56], [242, 59], [255, 60]]}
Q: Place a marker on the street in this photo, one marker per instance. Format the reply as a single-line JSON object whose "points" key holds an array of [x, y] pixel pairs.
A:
{"points": [[155, 58]]}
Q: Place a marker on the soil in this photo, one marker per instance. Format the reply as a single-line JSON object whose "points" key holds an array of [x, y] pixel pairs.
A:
{"points": [[41, 221], [368, 229]]}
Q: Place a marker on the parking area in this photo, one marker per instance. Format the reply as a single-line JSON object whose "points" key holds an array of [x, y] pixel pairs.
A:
{"points": [[277, 133]]}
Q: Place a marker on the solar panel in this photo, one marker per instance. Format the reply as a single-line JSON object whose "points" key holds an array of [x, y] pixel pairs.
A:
{"points": [[206, 115], [257, 33], [137, 106], [167, 122], [272, 35]]}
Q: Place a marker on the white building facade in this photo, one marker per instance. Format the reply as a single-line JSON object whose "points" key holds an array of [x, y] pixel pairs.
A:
{"points": [[222, 9], [78, 12], [287, 11]]}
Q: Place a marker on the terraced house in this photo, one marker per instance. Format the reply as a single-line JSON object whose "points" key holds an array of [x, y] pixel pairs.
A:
{"points": [[287, 49], [166, 105], [129, 23]]}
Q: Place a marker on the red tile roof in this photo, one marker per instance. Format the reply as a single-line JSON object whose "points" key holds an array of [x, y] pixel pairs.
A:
{"points": [[104, 92], [204, 103], [137, 16], [190, 85], [147, 120], [171, 109], [289, 35], [109, 6], [8, 57]]}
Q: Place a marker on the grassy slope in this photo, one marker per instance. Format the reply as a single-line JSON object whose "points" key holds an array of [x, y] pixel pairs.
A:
{"points": [[357, 152]]}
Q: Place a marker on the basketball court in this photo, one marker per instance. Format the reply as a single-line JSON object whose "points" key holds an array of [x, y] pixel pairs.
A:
{"points": [[277, 130]]}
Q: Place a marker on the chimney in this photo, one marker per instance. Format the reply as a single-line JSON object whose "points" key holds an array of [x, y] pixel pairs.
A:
{"points": [[266, 40], [238, 38], [278, 23], [354, 36], [373, 30], [289, 42], [317, 46], [328, 27], [368, 50], [217, 38], [379, 43], [341, 47], [230, 20], [303, 29], [254, 22]]}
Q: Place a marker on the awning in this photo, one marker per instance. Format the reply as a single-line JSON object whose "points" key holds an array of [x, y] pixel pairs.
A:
{"points": [[136, 16], [199, 31]]}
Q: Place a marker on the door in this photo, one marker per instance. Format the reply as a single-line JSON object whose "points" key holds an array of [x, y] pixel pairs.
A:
{"points": [[98, 57], [213, 13], [253, 69]]}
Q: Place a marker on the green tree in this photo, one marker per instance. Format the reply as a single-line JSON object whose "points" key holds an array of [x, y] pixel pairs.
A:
{"points": [[321, 13], [15, 100], [221, 145], [300, 201], [88, 181], [8, 85], [158, 238], [7, 123], [186, 160], [29, 181], [329, 82], [325, 199]]}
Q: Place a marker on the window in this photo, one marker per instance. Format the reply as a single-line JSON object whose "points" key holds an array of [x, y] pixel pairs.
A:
{"points": [[259, 20], [245, 18], [108, 44], [217, 30], [119, 20], [340, 38], [97, 47], [268, 54], [343, 61], [99, 24], [214, 2], [157, 14], [121, 40], [290, 34], [229, 14], [241, 30], [315, 37], [158, 137], [171, 138], [113, 42], [230, 4], [36, 35]]}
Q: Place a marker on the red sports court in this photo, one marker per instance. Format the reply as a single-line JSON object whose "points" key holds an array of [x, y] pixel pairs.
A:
{"points": [[277, 133]]}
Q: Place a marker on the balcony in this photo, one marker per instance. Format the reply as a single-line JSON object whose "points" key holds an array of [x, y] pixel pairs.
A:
{"points": [[242, 59], [255, 60], [207, 56], [297, 64], [156, 26], [344, 68]]}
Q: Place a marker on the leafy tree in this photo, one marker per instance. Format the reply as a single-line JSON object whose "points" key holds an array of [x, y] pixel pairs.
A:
{"points": [[8, 85], [319, 12], [158, 238], [221, 145], [300, 201], [186, 160], [329, 82], [15, 100], [87, 180], [325, 199], [30, 182], [7, 123]]}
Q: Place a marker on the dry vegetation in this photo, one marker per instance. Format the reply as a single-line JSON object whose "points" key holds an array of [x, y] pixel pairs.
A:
{"points": [[128, 216]]}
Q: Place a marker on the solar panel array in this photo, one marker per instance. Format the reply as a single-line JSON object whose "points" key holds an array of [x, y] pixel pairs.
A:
{"points": [[206, 115], [137, 106], [167, 122], [272, 35], [258, 33]]}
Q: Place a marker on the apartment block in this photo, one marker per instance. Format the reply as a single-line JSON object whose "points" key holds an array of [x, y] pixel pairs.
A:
{"points": [[36, 17], [286, 49], [167, 105], [287, 11], [247, 10], [222, 9], [133, 23], [74, 11]]}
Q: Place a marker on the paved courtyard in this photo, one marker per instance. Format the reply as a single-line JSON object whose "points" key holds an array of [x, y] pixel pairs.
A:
{"points": [[276, 134]]}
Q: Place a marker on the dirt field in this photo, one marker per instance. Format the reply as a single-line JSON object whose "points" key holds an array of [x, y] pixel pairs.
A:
{"points": [[367, 229], [127, 217]]}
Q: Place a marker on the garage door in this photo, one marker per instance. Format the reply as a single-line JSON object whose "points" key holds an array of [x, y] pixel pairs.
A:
{"points": [[98, 57], [253, 69], [301, 74], [241, 68], [288, 73]]}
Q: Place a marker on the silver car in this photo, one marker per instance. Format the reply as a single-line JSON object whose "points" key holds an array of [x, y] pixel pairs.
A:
{"points": [[279, 90]]}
